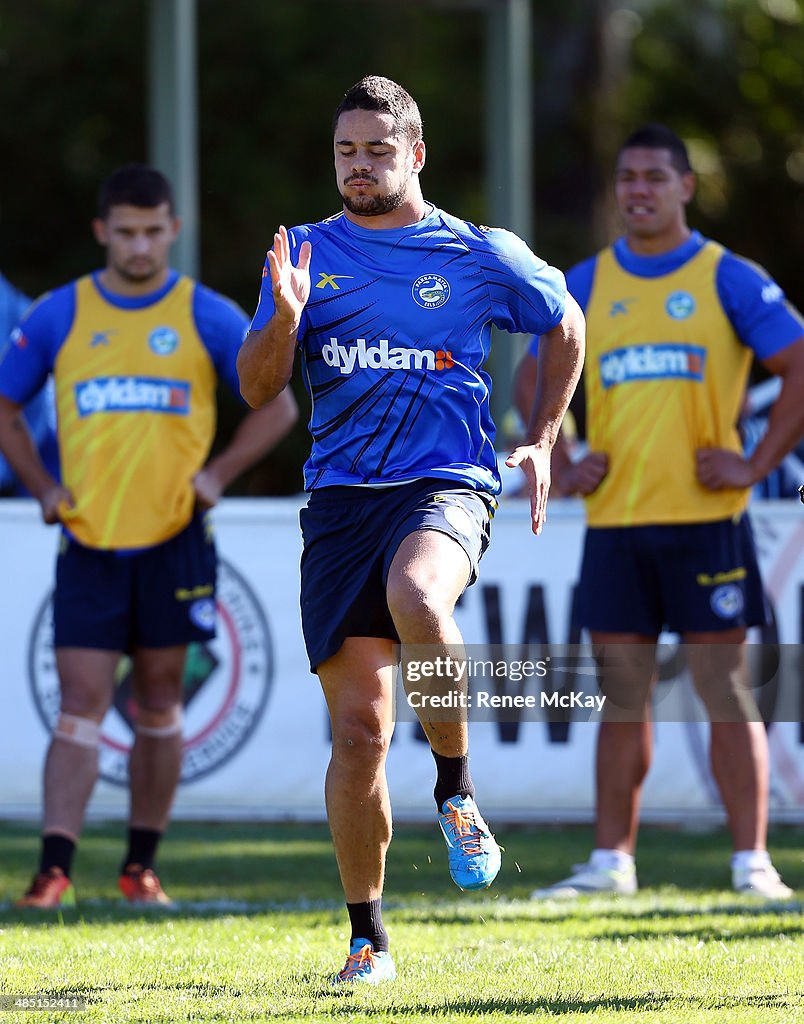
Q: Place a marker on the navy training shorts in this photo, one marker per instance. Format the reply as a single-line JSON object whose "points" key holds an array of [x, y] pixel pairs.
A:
{"points": [[162, 596], [685, 578], [351, 535]]}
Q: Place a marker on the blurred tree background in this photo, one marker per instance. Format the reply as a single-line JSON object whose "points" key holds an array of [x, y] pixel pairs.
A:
{"points": [[728, 75]]}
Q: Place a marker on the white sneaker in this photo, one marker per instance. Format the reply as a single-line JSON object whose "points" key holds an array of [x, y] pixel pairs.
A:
{"points": [[586, 879], [762, 881]]}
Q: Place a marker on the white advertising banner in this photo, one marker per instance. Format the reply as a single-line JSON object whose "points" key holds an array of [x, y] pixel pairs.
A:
{"points": [[256, 734]]}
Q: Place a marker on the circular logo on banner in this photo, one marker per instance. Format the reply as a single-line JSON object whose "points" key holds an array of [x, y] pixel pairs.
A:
{"points": [[431, 291], [163, 341], [680, 305], [227, 682]]}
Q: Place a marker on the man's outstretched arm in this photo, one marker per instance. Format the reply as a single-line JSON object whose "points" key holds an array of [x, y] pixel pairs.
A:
{"points": [[561, 352], [265, 360]]}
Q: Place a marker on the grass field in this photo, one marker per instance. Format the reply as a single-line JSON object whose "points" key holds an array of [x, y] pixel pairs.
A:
{"points": [[260, 929]]}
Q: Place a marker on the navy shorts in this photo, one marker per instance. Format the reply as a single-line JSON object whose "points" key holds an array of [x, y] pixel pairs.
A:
{"points": [[162, 596], [351, 535], [685, 578]]}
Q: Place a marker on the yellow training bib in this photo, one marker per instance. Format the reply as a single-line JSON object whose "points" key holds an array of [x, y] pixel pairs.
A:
{"points": [[665, 374], [135, 392]]}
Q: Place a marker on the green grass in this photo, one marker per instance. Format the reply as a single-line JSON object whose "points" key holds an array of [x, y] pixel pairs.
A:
{"points": [[262, 929]]}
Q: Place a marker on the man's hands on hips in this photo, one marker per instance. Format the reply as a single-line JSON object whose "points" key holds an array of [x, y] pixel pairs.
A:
{"points": [[719, 469], [584, 476], [208, 488], [55, 501]]}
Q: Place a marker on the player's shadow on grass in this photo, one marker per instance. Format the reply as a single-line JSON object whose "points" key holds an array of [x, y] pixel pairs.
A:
{"points": [[704, 934], [619, 920], [104, 912], [615, 910], [511, 1005]]}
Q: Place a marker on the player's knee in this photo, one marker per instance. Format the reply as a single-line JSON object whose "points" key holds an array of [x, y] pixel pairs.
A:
{"points": [[159, 721], [78, 730], [720, 678], [87, 701], [625, 679], [625, 701], [414, 606], [158, 693], [727, 700], [361, 738]]}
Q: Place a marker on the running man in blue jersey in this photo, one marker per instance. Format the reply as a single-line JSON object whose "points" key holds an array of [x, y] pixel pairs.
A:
{"points": [[673, 322], [136, 350], [390, 304]]}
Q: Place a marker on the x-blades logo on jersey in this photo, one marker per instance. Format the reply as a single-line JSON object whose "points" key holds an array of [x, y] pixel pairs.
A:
{"points": [[332, 280]]}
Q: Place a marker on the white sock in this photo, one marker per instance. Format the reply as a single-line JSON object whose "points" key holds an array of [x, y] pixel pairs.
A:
{"points": [[750, 860], [610, 860]]}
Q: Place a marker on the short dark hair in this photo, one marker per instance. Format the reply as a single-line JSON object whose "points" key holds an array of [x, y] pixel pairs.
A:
{"points": [[134, 185], [659, 136], [386, 97]]}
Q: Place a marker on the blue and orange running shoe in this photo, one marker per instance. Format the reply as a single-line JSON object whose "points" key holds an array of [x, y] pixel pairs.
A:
{"points": [[364, 966], [474, 856]]}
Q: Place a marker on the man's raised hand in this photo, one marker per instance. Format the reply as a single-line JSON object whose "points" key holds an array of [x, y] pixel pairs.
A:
{"points": [[290, 285]]}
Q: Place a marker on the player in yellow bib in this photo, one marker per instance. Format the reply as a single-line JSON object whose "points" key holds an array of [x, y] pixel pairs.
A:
{"points": [[136, 351], [673, 321]]}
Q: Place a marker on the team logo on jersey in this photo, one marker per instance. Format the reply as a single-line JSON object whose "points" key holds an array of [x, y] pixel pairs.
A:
{"points": [[132, 394], [431, 291], [347, 358], [331, 280], [163, 341], [226, 686], [620, 307], [727, 601], [101, 338], [680, 305], [652, 362]]}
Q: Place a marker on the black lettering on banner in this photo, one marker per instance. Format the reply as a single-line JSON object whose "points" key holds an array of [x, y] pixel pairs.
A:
{"points": [[534, 644], [801, 661]]}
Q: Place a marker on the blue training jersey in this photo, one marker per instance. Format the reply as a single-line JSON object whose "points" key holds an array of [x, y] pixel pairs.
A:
{"points": [[393, 339]]}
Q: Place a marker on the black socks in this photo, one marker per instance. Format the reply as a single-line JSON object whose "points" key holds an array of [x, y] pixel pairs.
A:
{"points": [[453, 779], [366, 920], [57, 852], [142, 844]]}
